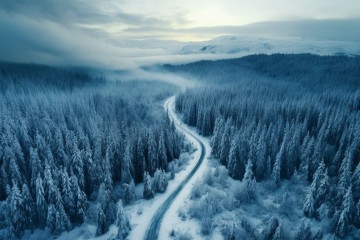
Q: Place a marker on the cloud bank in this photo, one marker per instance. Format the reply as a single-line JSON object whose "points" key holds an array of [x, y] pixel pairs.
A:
{"points": [[125, 34]]}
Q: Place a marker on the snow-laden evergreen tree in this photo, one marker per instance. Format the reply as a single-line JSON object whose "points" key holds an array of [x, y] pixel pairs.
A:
{"points": [[148, 186], [276, 173], [345, 176], [162, 152], [51, 218], [318, 193], [249, 183], [122, 222], [152, 156], [234, 161], [160, 181], [225, 143], [139, 160], [272, 229], [62, 220], [303, 231], [15, 172], [357, 215], [356, 182], [101, 221], [41, 205], [77, 165], [217, 135], [346, 215], [261, 157], [35, 165], [17, 211], [323, 192], [80, 206], [48, 181], [128, 192], [309, 204], [126, 166], [28, 207], [65, 188], [107, 176]]}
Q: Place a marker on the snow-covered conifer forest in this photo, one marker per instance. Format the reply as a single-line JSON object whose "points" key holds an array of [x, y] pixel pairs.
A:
{"points": [[288, 128], [71, 143], [276, 154]]}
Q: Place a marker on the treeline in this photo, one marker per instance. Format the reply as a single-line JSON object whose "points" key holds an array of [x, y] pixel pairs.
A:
{"points": [[60, 149], [303, 69], [285, 128]]}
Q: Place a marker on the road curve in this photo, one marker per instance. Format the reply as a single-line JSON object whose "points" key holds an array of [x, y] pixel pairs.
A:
{"points": [[152, 232]]}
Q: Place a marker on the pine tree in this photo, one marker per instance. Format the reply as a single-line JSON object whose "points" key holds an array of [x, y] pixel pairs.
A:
{"points": [[48, 181], [160, 181], [217, 135], [356, 182], [345, 176], [225, 144], [80, 206], [347, 214], [15, 172], [125, 167], [261, 157], [17, 217], [309, 205], [152, 154], [128, 192], [357, 215], [148, 186], [139, 162], [277, 169], [323, 191], [35, 165], [101, 221], [303, 231], [249, 182], [78, 166], [272, 229], [62, 222], [162, 152], [41, 206], [51, 218], [28, 206], [122, 222], [65, 189], [108, 177], [233, 163]]}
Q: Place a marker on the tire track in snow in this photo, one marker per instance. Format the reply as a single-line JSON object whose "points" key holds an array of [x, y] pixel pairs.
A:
{"points": [[152, 232]]}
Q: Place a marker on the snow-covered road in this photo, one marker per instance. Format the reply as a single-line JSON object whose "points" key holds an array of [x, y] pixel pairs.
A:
{"points": [[160, 214]]}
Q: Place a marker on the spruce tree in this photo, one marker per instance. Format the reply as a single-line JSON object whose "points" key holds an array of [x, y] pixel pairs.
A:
{"points": [[148, 186], [122, 222], [101, 221]]}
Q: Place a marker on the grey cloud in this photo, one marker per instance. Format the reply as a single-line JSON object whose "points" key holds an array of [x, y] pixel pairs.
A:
{"points": [[77, 11], [28, 40]]}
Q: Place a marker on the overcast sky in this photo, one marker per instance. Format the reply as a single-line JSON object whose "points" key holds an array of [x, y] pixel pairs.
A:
{"points": [[77, 30]]}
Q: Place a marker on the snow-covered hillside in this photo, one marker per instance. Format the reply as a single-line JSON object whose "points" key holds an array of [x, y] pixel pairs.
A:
{"points": [[244, 45]]}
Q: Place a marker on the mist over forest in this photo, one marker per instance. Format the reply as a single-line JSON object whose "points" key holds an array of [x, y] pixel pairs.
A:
{"points": [[179, 120]]}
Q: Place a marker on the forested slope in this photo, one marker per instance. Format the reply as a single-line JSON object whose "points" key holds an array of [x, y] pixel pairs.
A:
{"points": [[68, 138], [273, 117]]}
